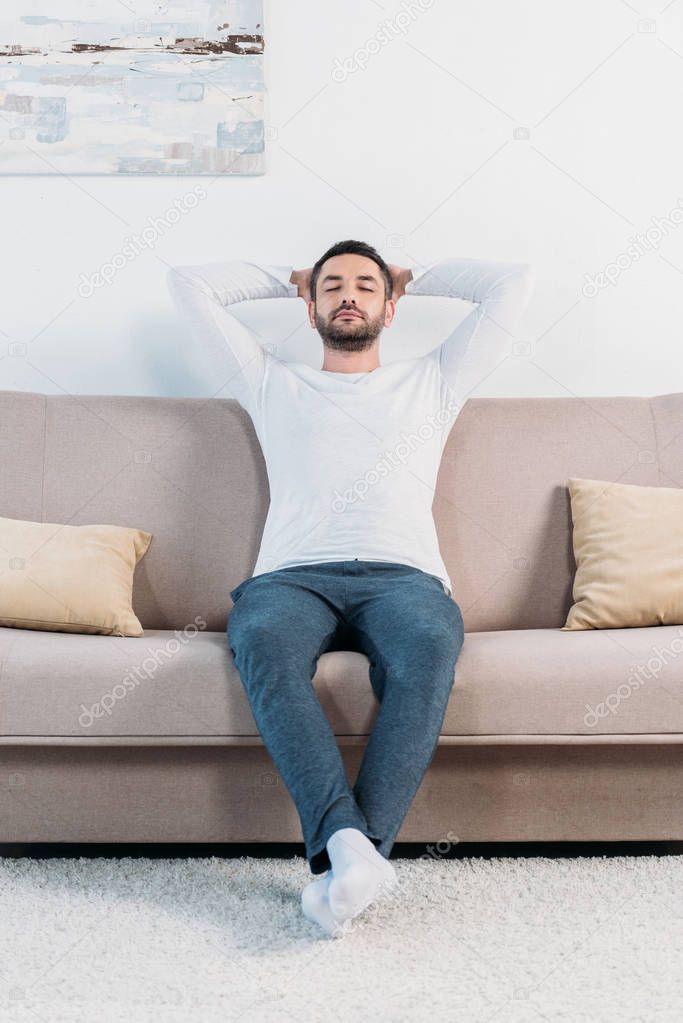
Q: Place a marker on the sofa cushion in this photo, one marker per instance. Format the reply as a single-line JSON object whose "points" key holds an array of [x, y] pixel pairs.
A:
{"points": [[66, 578], [518, 683], [628, 546]]}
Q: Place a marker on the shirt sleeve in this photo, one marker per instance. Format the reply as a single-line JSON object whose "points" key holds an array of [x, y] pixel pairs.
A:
{"points": [[483, 339], [203, 295]]}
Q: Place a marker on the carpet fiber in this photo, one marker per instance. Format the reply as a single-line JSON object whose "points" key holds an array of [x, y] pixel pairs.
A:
{"points": [[479, 940]]}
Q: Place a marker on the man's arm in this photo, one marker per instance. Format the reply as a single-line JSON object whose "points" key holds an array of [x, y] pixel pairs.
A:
{"points": [[204, 293], [483, 339]]}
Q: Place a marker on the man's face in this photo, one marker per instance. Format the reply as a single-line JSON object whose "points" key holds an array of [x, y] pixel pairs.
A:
{"points": [[350, 308]]}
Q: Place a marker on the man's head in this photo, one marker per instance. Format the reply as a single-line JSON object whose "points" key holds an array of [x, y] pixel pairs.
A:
{"points": [[351, 277]]}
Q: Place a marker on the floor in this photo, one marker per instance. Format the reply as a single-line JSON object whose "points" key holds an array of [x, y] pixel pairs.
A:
{"points": [[491, 935]]}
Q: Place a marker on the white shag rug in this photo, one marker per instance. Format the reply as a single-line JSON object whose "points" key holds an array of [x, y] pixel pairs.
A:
{"points": [[216, 940]]}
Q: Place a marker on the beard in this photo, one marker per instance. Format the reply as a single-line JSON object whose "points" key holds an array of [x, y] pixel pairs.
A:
{"points": [[355, 335]]}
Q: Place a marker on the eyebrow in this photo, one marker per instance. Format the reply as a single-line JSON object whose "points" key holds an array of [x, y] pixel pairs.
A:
{"points": [[359, 277]]}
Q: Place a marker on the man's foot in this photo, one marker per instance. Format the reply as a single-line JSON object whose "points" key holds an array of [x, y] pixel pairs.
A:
{"points": [[360, 874], [316, 907]]}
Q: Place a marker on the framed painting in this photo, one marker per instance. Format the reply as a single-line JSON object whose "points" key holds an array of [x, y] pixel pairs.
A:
{"points": [[131, 87]]}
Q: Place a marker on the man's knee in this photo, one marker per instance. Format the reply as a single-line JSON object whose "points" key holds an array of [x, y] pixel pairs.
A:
{"points": [[254, 633], [440, 634], [285, 650]]}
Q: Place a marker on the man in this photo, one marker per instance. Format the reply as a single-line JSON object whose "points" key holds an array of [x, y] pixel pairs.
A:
{"points": [[349, 557]]}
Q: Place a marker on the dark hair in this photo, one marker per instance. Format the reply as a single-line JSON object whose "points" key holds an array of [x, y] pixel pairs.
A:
{"points": [[357, 249]]}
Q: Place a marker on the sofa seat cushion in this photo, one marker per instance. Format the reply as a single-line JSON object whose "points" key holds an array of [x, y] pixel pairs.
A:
{"points": [[166, 684], [590, 682]]}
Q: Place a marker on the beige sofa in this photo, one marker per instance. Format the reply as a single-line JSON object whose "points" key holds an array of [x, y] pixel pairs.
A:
{"points": [[151, 739]]}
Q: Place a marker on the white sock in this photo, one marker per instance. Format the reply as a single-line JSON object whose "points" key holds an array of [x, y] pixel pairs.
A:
{"points": [[359, 873], [316, 907]]}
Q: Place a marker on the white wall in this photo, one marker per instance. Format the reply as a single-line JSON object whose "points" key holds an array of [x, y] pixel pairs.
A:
{"points": [[416, 153]]}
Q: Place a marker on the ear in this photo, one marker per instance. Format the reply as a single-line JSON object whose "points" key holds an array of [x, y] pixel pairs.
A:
{"points": [[390, 311], [310, 307]]}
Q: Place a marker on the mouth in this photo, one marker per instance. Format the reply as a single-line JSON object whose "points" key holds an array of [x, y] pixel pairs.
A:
{"points": [[346, 315]]}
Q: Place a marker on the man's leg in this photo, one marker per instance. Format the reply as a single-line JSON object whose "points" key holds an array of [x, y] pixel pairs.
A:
{"points": [[412, 633], [276, 631]]}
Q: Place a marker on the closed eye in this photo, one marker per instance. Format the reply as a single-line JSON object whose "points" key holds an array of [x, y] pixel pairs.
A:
{"points": [[336, 288]]}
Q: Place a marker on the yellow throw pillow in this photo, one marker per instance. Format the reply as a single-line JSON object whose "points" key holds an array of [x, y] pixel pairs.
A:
{"points": [[63, 578], [628, 548]]}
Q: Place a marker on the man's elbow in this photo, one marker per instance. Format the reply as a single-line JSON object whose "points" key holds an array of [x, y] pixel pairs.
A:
{"points": [[172, 278], [181, 279]]}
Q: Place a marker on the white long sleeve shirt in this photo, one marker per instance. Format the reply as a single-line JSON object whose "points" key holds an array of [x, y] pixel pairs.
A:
{"points": [[352, 458]]}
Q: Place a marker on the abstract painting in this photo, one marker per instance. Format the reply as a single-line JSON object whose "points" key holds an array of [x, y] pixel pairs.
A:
{"points": [[131, 87]]}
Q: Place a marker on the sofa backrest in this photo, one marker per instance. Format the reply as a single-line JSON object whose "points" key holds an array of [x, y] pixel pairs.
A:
{"points": [[502, 511], [190, 471]]}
